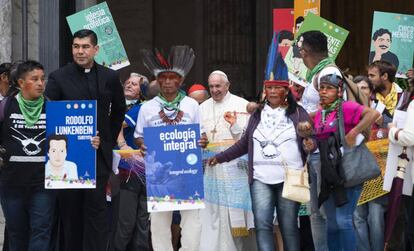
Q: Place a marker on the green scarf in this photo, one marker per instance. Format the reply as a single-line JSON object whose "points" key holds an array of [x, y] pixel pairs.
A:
{"points": [[322, 64], [173, 104], [31, 109], [325, 112]]}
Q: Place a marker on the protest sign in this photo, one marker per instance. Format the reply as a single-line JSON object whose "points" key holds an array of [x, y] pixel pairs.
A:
{"points": [[336, 38], [98, 18], [303, 7], [283, 24], [392, 40], [173, 167], [283, 19], [70, 158]]}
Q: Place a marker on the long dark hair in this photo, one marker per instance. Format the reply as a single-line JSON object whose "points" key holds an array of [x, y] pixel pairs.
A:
{"points": [[291, 101]]}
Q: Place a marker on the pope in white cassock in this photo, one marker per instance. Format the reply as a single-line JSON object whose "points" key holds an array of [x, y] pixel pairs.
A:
{"points": [[227, 218]]}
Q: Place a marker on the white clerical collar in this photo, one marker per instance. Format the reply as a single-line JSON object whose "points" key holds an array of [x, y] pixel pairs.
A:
{"points": [[88, 70]]}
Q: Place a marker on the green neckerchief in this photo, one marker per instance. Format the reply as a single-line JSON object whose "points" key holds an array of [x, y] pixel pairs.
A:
{"points": [[325, 112], [31, 109], [322, 64], [173, 104]]}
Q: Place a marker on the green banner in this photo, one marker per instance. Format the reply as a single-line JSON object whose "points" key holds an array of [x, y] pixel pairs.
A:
{"points": [[392, 40], [336, 38], [336, 34], [98, 18]]}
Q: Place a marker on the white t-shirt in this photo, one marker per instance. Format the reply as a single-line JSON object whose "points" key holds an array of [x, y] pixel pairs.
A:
{"points": [[70, 169], [149, 114], [275, 146]]}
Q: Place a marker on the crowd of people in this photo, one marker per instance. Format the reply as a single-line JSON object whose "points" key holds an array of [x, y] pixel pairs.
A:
{"points": [[245, 207]]}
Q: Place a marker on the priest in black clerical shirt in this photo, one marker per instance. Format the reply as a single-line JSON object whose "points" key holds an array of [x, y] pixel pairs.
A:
{"points": [[83, 212]]}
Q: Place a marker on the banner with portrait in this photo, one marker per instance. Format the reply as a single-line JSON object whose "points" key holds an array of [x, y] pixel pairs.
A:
{"points": [[302, 8], [392, 40], [70, 157], [173, 168], [283, 24]]}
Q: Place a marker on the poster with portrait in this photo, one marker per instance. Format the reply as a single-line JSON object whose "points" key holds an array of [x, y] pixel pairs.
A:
{"points": [[98, 18], [283, 24], [336, 38], [70, 157], [283, 19], [392, 40], [173, 168], [302, 8]]}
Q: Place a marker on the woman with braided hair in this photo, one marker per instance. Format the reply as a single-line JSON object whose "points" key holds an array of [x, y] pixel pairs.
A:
{"points": [[338, 202]]}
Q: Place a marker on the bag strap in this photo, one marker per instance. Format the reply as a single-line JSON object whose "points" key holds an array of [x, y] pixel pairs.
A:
{"points": [[302, 175], [341, 126]]}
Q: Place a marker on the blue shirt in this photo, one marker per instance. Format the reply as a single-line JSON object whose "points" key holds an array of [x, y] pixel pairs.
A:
{"points": [[131, 119]]}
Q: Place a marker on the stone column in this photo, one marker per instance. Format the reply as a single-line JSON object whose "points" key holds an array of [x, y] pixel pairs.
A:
{"points": [[49, 25], [6, 30]]}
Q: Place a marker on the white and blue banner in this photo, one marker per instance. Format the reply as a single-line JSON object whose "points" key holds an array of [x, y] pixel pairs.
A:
{"points": [[70, 157], [173, 168]]}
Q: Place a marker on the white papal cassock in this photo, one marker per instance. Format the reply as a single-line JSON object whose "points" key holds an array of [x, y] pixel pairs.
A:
{"points": [[228, 214]]}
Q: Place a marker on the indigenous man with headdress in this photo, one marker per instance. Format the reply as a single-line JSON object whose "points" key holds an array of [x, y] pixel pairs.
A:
{"points": [[170, 107], [228, 213]]}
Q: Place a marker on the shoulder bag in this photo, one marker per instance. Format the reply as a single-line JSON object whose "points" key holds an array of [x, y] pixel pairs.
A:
{"points": [[357, 164]]}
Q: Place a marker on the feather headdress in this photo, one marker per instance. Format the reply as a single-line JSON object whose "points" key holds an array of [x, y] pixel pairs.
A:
{"points": [[180, 60]]}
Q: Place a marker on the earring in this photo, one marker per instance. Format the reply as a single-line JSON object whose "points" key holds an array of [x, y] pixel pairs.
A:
{"points": [[285, 102]]}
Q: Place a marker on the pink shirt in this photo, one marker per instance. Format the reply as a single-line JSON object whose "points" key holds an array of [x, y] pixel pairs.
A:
{"points": [[352, 114]]}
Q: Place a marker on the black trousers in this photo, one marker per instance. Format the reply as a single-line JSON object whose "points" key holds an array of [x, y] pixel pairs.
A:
{"points": [[83, 219], [130, 229]]}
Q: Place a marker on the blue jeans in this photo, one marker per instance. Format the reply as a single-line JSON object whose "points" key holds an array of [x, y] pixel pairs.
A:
{"points": [[318, 218], [265, 198], [29, 216], [369, 224], [341, 232]]}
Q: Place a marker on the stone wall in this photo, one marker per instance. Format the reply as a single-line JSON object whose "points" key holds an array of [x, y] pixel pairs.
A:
{"points": [[6, 30], [33, 29]]}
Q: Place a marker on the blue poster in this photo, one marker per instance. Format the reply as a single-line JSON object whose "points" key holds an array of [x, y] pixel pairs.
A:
{"points": [[173, 168], [70, 157]]}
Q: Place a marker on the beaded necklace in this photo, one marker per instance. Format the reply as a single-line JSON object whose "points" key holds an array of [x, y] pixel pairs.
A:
{"points": [[326, 112], [177, 118]]}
